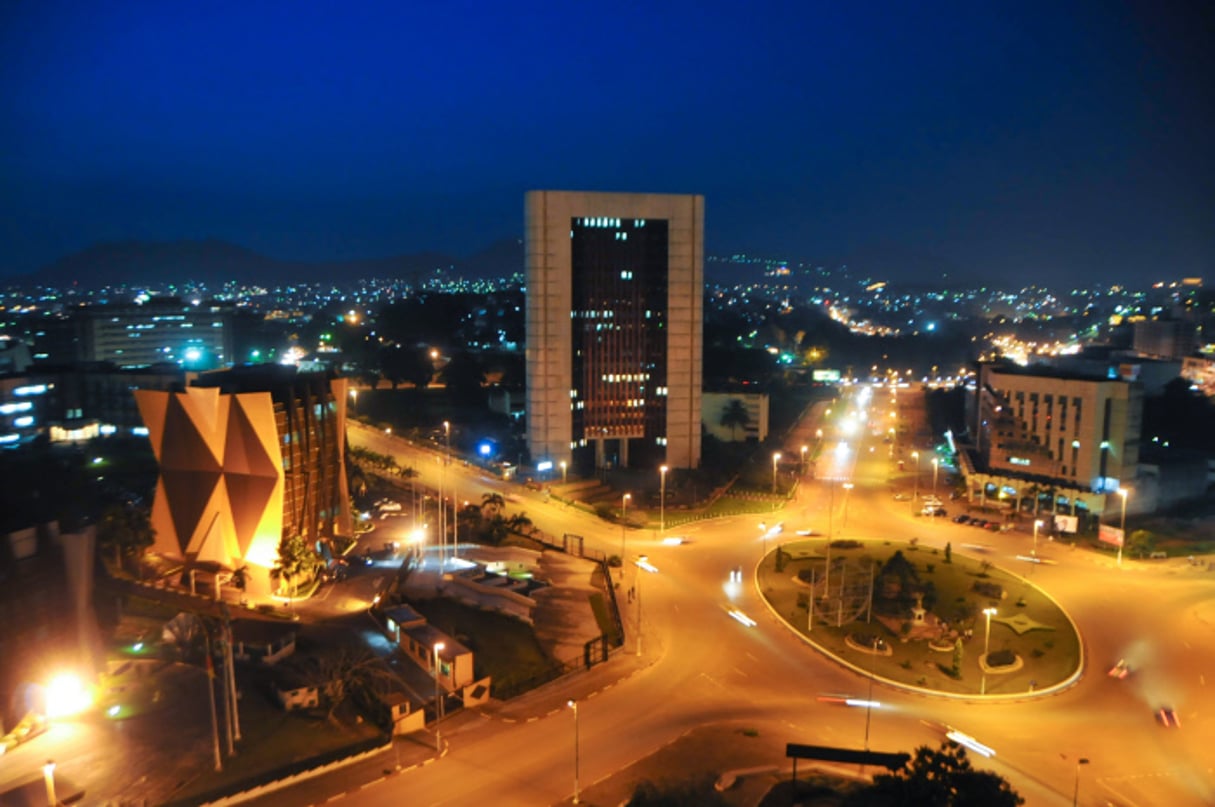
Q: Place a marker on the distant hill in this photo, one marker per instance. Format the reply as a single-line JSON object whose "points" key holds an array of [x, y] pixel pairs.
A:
{"points": [[213, 263]]}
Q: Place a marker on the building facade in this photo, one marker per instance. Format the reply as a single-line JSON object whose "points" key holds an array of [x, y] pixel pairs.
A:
{"points": [[160, 330], [1065, 431], [754, 404], [247, 456], [615, 285]]}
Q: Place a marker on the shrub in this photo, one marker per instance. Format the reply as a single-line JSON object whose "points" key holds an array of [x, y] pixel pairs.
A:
{"points": [[806, 575], [930, 567], [1048, 644], [846, 543], [1020, 602], [905, 664], [1001, 658], [803, 599], [950, 671], [1038, 652], [993, 590]]}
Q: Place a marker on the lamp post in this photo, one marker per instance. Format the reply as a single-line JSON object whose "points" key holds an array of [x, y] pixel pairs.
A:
{"points": [[442, 500], [916, 495], [638, 577], [847, 489], [48, 779], [804, 450], [935, 462], [989, 613], [662, 500], [1076, 787], [624, 517], [573, 704], [1123, 493], [563, 469], [1037, 525], [775, 459], [438, 703]]}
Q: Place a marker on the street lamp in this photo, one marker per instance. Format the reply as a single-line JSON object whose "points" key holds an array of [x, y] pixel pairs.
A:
{"points": [[989, 613], [1037, 524], [775, 459], [847, 488], [624, 517], [438, 703], [1076, 788], [1123, 493], [573, 704], [804, 449], [916, 495], [935, 462], [563, 467], [662, 500], [48, 779]]}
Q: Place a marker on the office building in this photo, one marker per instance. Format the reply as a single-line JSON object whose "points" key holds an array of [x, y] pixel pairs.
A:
{"points": [[247, 456], [614, 320], [1078, 434]]}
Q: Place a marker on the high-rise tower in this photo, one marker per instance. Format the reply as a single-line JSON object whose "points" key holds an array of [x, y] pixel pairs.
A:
{"points": [[615, 285]]}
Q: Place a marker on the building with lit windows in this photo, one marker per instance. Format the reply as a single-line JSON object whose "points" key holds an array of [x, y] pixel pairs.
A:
{"points": [[1073, 433], [247, 456], [156, 331], [615, 287]]}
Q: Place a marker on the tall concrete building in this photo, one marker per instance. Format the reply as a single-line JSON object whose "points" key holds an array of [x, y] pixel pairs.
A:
{"points": [[615, 285]]}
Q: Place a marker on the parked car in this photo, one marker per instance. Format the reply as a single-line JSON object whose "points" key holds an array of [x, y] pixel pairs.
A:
{"points": [[979, 522], [933, 510], [961, 519]]}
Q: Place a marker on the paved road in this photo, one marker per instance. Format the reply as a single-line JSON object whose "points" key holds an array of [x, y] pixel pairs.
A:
{"points": [[704, 666]]}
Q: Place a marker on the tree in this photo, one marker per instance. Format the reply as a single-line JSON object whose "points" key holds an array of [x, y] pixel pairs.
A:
{"points": [[1140, 543], [125, 529], [296, 560], [734, 415], [492, 504], [345, 672], [948, 552], [958, 655], [464, 377], [937, 778]]}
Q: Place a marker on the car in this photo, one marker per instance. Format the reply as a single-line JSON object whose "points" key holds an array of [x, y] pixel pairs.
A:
{"points": [[992, 526], [1120, 670], [806, 532], [902, 497], [933, 510], [961, 519], [736, 574], [979, 522], [1168, 717]]}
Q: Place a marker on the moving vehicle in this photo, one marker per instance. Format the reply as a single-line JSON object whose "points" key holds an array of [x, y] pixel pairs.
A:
{"points": [[1120, 670], [933, 510], [1168, 717]]}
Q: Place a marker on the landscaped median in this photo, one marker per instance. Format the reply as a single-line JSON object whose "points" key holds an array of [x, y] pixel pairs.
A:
{"points": [[918, 618]]}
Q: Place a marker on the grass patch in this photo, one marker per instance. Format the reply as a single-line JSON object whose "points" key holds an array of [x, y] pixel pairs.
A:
{"points": [[603, 617], [503, 648], [913, 662]]}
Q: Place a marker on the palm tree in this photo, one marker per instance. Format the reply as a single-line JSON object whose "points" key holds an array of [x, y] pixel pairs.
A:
{"points": [[492, 504], [733, 415]]}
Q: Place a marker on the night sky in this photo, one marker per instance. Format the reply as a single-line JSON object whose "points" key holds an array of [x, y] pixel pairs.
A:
{"points": [[1056, 141]]}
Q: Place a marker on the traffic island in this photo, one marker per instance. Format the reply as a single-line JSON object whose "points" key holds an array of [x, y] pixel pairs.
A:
{"points": [[918, 619]]}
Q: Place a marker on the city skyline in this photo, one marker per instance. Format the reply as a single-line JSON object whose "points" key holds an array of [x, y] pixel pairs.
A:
{"points": [[1035, 142]]}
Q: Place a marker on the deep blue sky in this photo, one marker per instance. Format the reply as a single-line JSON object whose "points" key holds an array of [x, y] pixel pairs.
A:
{"points": [[1008, 140]]}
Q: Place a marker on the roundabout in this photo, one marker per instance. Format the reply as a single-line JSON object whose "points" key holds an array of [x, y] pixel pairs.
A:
{"points": [[919, 619]]}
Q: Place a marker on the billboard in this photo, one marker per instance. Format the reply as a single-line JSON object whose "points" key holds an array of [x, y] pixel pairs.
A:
{"points": [[826, 376], [1066, 524], [1109, 535]]}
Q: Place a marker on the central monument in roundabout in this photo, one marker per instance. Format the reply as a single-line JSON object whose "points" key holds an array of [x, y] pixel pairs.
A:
{"points": [[923, 619]]}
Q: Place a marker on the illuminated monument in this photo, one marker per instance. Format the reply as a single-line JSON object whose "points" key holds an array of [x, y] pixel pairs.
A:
{"points": [[246, 456], [615, 294]]}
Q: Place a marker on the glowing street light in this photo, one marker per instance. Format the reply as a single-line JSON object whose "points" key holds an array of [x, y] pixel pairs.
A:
{"points": [[573, 704], [1037, 525], [804, 450], [563, 468], [662, 500], [48, 779], [775, 459], [438, 702], [935, 463], [1123, 492], [989, 613], [915, 455], [624, 516]]}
